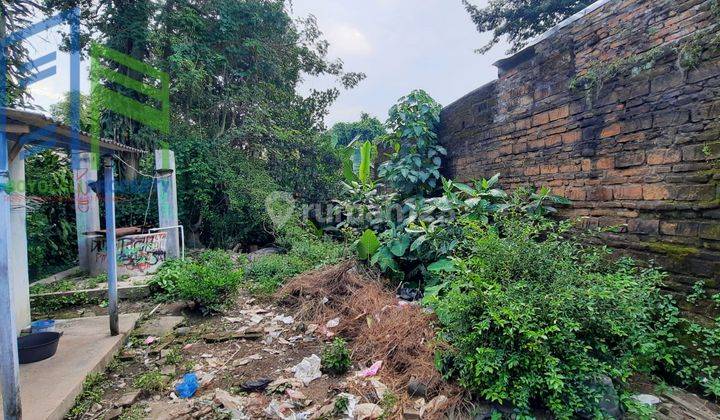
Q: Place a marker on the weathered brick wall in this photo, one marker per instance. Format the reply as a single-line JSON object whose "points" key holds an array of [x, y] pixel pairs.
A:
{"points": [[634, 142]]}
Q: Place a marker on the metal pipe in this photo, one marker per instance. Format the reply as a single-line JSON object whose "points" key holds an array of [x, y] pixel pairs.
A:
{"points": [[111, 245], [182, 236]]}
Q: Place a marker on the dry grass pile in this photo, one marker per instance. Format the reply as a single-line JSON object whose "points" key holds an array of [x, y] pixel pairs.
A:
{"points": [[377, 326]]}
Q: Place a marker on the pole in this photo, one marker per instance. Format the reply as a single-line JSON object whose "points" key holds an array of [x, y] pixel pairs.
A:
{"points": [[110, 240], [9, 364]]}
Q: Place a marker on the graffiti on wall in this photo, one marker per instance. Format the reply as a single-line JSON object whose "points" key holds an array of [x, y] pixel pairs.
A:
{"points": [[135, 254]]}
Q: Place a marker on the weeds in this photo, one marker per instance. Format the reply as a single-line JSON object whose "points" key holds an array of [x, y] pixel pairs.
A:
{"points": [[150, 382], [92, 392], [336, 358]]}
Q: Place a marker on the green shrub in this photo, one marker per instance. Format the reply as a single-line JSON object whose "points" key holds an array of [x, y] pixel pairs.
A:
{"points": [[414, 165], [304, 252], [152, 381], [206, 281], [336, 357], [531, 315]]}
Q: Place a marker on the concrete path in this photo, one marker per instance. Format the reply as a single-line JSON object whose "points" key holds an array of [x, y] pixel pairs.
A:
{"points": [[48, 388]]}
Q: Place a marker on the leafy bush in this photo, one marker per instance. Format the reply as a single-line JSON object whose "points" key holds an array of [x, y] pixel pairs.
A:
{"points": [[530, 315], [336, 357], [689, 351], [414, 165], [206, 281], [304, 252], [51, 214]]}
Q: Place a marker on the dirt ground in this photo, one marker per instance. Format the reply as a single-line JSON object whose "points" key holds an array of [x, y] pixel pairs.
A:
{"points": [[263, 341]]}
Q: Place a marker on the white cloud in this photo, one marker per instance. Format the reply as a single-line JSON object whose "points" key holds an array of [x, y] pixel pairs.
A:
{"points": [[347, 40], [46, 91]]}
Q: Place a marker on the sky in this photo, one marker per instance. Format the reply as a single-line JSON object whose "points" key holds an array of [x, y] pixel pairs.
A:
{"points": [[401, 45]]}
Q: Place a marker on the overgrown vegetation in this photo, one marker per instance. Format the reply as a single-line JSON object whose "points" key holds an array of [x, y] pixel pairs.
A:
{"points": [[336, 357], [207, 280], [303, 251], [92, 392], [51, 214], [533, 315], [150, 382]]}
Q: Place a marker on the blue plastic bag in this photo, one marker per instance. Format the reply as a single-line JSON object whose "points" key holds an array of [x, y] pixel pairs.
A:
{"points": [[188, 386]]}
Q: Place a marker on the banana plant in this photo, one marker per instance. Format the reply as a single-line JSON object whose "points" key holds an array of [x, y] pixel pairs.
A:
{"points": [[357, 164]]}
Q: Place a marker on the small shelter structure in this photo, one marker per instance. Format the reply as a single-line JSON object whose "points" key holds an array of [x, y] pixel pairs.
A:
{"points": [[98, 250]]}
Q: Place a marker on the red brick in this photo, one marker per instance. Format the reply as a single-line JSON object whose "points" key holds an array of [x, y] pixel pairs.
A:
{"points": [[548, 169], [655, 192], [628, 192], [541, 119], [533, 170], [611, 130], [572, 136], [558, 113], [553, 141], [575, 194], [605, 163], [663, 156]]}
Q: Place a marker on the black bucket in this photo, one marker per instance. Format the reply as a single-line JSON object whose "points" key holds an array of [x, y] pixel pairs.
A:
{"points": [[36, 347]]}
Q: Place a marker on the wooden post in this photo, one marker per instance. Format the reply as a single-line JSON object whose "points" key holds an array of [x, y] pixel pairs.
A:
{"points": [[110, 244]]}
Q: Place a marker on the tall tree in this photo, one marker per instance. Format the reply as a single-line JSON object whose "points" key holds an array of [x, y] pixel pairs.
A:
{"points": [[124, 26], [16, 15], [520, 20], [367, 129]]}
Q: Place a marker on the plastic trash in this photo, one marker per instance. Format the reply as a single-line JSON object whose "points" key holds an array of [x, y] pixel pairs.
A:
{"points": [[187, 387], [372, 370], [43, 325], [308, 370]]}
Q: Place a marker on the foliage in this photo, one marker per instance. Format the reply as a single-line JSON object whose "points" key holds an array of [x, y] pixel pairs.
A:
{"points": [[16, 16], [60, 111], [688, 350], [52, 303], [235, 67], [221, 191], [341, 405], [520, 20], [92, 391], [51, 213], [336, 358], [414, 164], [532, 315], [597, 75], [303, 252], [207, 281], [152, 381], [409, 235], [367, 129]]}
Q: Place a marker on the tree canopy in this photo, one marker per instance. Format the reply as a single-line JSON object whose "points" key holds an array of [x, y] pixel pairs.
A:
{"points": [[239, 127], [367, 129], [520, 20]]}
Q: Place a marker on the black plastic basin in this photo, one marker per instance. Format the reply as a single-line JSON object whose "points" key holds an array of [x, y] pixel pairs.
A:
{"points": [[36, 347]]}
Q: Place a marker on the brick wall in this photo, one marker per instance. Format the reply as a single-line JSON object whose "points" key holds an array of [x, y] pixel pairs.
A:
{"points": [[640, 148]]}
